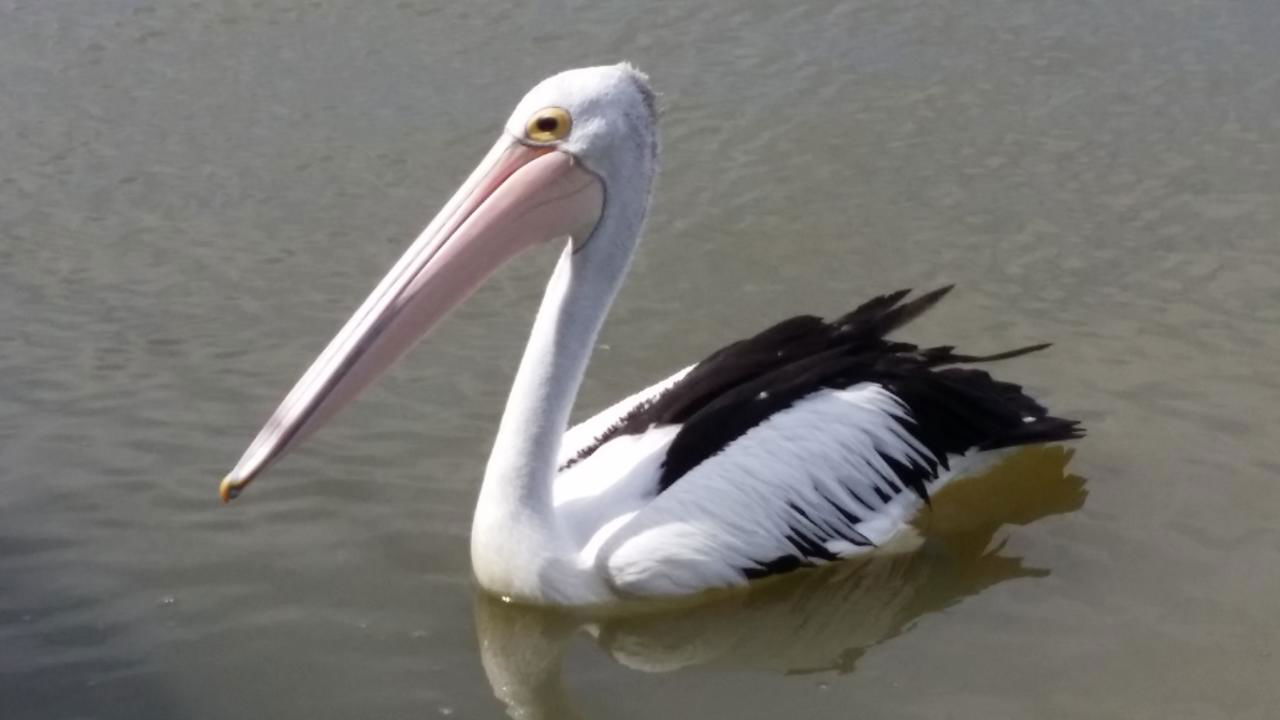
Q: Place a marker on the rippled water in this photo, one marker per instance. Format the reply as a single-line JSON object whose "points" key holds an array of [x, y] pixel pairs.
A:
{"points": [[193, 195]]}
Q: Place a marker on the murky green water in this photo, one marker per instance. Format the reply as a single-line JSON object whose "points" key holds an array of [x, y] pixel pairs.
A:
{"points": [[194, 195]]}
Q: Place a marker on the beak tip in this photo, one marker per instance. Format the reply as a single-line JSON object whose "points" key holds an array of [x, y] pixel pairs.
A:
{"points": [[229, 490]]}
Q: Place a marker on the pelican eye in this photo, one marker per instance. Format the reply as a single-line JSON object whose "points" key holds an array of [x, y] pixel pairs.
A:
{"points": [[549, 124]]}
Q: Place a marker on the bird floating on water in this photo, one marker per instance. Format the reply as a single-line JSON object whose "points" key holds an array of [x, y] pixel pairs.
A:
{"points": [[809, 442], [823, 621]]}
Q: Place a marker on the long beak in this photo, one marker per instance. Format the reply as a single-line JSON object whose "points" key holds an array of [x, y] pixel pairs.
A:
{"points": [[519, 196]]}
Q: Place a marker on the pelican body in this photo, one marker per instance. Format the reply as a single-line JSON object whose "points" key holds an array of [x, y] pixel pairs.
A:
{"points": [[809, 442]]}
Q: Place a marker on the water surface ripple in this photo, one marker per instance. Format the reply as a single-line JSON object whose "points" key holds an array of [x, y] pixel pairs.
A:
{"points": [[193, 196]]}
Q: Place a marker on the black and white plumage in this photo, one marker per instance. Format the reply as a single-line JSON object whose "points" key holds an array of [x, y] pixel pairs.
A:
{"points": [[809, 442], [823, 621]]}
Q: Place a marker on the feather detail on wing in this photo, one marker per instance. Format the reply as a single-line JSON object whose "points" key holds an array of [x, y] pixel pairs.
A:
{"points": [[808, 442], [582, 439]]}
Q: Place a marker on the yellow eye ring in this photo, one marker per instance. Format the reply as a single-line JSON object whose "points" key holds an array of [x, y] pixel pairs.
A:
{"points": [[549, 124]]}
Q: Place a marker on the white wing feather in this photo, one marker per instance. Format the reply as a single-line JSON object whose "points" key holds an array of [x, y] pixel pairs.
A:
{"points": [[736, 509], [584, 433]]}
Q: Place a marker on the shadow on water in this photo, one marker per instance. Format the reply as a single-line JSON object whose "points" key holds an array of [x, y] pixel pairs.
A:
{"points": [[815, 621]]}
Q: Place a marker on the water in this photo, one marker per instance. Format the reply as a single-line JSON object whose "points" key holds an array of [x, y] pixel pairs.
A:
{"points": [[194, 195]]}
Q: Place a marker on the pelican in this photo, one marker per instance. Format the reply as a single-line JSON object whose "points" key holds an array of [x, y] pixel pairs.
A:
{"points": [[807, 443]]}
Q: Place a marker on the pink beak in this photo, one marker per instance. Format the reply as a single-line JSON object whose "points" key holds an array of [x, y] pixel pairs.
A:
{"points": [[519, 196]]}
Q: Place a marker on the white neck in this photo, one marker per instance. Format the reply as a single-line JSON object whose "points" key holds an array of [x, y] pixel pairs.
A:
{"points": [[516, 545], [522, 464]]}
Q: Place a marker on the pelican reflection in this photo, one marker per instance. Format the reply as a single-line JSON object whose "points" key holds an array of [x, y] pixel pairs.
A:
{"points": [[815, 621]]}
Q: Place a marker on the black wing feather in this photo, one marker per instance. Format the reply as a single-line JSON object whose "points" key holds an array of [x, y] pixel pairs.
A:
{"points": [[952, 409]]}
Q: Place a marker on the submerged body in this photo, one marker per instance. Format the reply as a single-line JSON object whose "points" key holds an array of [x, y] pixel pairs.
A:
{"points": [[805, 444]]}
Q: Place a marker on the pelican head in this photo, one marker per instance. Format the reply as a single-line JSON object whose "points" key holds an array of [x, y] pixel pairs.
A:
{"points": [[575, 161]]}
